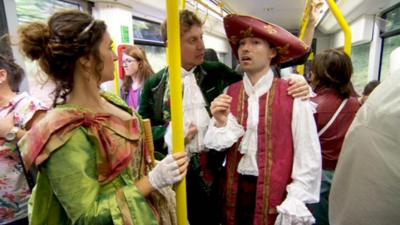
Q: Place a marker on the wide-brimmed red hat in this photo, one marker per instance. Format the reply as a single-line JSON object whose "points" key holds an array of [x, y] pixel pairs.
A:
{"points": [[288, 46]]}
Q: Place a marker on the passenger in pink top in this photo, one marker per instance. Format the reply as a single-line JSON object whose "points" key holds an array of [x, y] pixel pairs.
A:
{"points": [[137, 70]]}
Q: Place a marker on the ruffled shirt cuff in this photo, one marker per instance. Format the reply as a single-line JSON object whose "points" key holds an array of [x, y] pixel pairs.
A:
{"points": [[220, 138], [293, 211]]}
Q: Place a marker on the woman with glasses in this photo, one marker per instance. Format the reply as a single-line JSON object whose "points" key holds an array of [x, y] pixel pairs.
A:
{"points": [[137, 70]]}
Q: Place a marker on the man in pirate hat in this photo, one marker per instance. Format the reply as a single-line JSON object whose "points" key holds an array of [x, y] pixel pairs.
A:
{"points": [[273, 164]]}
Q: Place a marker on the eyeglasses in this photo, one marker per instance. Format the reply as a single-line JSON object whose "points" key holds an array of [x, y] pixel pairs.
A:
{"points": [[128, 61]]}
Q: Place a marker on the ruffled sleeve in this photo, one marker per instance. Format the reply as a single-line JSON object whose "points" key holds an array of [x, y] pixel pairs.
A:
{"points": [[70, 177], [306, 173], [220, 138]]}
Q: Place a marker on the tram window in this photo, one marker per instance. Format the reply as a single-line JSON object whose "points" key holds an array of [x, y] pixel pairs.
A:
{"points": [[147, 34], [3, 20], [391, 37], [41, 10], [392, 19], [4, 39], [156, 56], [146, 30], [360, 58], [389, 44], [28, 10]]}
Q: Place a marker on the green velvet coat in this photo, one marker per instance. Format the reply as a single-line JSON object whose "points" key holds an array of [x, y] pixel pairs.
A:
{"points": [[204, 174], [212, 78]]}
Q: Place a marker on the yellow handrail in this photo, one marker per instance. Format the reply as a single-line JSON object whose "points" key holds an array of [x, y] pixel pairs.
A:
{"points": [[116, 71], [174, 61], [183, 4], [307, 11], [304, 25], [343, 24]]}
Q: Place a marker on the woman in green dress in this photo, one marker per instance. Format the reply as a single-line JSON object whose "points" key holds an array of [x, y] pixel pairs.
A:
{"points": [[89, 149]]}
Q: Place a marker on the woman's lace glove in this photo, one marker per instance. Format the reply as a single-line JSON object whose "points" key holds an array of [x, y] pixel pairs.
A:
{"points": [[168, 171]]}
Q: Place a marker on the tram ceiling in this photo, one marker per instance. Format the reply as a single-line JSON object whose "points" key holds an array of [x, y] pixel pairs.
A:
{"points": [[286, 13], [352, 10]]}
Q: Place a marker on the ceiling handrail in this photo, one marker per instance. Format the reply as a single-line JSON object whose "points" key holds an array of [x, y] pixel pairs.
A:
{"points": [[343, 24]]}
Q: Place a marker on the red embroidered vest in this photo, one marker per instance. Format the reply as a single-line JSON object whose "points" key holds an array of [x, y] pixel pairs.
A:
{"points": [[275, 152]]}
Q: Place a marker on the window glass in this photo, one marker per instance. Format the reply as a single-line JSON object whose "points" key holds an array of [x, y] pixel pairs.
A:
{"points": [[156, 56], [147, 34], [146, 30], [389, 44], [360, 58], [3, 20], [40, 10], [33, 10], [392, 19], [5, 46]]}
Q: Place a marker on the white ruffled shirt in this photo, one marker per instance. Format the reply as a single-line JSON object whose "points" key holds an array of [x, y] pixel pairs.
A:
{"points": [[306, 172], [248, 147], [194, 111]]}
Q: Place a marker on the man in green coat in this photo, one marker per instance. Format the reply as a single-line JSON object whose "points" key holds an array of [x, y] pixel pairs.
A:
{"points": [[203, 81]]}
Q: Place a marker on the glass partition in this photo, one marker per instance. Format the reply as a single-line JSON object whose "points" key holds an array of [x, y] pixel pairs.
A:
{"points": [[389, 44], [391, 37], [147, 34], [33, 10], [360, 58], [41, 10]]}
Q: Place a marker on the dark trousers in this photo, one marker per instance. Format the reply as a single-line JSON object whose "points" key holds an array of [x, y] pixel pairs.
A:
{"points": [[23, 221], [246, 201], [320, 210], [203, 189]]}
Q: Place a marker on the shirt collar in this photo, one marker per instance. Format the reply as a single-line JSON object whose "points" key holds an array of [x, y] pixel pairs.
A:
{"points": [[262, 85]]}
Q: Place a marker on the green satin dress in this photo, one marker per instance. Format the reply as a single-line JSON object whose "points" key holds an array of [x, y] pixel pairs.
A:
{"points": [[84, 175], [68, 192]]}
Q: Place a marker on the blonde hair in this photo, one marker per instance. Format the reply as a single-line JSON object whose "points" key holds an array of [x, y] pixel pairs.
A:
{"points": [[187, 19]]}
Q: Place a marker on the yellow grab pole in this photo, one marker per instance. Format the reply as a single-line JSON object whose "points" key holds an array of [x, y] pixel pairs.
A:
{"points": [[183, 4], [307, 11], [343, 24], [304, 24], [116, 71], [175, 80]]}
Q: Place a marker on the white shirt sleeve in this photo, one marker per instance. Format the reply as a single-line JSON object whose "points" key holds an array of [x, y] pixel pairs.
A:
{"points": [[306, 173], [220, 138], [168, 138]]}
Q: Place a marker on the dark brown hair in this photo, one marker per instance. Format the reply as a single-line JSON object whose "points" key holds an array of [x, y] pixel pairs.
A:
{"points": [[187, 19], [57, 45], [211, 55], [15, 73], [144, 68], [333, 69]]}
